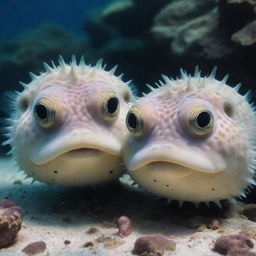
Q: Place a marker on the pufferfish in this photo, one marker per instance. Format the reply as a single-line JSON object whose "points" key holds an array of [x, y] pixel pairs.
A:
{"points": [[192, 139], [68, 124]]}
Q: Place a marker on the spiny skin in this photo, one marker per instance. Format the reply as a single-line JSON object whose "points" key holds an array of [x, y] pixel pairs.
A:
{"points": [[76, 142], [171, 159]]}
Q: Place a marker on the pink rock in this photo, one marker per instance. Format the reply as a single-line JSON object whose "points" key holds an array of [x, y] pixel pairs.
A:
{"points": [[10, 222], [153, 243], [225, 243], [124, 226]]}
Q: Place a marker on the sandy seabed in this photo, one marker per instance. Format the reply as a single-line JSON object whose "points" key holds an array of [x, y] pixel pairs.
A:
{"points": [[55, 214]]}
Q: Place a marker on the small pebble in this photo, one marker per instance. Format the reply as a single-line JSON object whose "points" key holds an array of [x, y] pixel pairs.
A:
{"points": [[200, 222], [225, 243], [250, 211], [214, 225], [67, 242], [34, 248], [88, 244], [112, 243], [91, 231], [152, 244], [102, 239], [124, 226]]}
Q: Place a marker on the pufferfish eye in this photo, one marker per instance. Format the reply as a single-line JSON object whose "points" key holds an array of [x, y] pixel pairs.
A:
{"points": [[200, 121], [109, 106], [134, 121], [44, 113]]}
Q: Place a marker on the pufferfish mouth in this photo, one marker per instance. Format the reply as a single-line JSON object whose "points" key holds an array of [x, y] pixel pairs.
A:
{"points": [[176, 170], [173, 156], [78, 146], [81, 152]]}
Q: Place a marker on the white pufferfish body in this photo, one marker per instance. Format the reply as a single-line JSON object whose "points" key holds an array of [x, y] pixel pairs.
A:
{"points": [[68, 124], [192, 139]]}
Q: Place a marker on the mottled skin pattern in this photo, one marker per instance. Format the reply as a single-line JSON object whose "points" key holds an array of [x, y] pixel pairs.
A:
{"points": [[169, 159], [83, 144]]}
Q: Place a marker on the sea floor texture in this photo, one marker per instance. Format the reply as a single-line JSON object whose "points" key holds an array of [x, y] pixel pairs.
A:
{"points": [[56, 214]]}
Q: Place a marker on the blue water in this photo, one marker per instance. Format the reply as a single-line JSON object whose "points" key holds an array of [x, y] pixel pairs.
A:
{"points": [[19, 15]]}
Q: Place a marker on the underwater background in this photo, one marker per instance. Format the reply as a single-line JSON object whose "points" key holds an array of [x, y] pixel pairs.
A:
{"points": [[146, 39]]}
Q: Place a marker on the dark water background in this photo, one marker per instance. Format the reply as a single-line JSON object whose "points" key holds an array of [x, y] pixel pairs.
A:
{"points": [[17, 16], [146, 38]]}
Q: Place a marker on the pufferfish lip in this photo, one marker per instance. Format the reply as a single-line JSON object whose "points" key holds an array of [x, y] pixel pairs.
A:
{"points": [[174, 155], [80, 145], [81, 152]]}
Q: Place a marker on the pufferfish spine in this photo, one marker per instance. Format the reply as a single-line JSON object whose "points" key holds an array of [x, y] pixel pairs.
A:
{"points": [[67, 125], [186, 163]]}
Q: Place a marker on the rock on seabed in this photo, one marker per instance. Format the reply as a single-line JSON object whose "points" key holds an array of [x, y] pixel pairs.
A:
{"points": [[10, 222]]}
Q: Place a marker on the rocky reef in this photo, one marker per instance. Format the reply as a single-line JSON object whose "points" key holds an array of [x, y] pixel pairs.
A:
{"points": [[147, 40], [162, 36]]}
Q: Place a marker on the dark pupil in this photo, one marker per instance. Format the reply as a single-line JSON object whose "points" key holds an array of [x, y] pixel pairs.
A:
{"points": [[203, 119], [41, 111], [112, 105], [132, 121]]}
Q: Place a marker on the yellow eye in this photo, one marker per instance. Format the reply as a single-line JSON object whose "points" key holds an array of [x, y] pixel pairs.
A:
{"points": [[44, 113], [200, 121], [109, 106], [134, 121]]}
